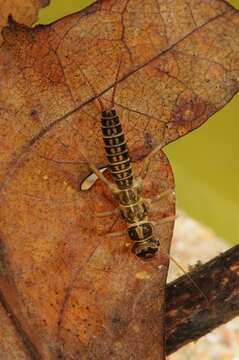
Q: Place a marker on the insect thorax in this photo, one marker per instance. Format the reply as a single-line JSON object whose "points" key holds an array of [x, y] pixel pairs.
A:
{"points": [[132, 207]]}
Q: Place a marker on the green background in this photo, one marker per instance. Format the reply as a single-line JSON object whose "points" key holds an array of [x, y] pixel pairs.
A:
{"points": [[205, 162]]}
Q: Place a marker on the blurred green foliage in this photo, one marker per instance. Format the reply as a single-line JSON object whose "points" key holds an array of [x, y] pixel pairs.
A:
{"points": [[205, 162], [58, 9]]}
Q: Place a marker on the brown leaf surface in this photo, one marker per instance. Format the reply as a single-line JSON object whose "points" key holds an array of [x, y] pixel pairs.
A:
{"points": [[23, 11], [75, 293]]}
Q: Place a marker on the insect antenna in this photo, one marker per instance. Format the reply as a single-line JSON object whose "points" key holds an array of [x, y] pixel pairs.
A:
{"points": [[102, 107], [189, 277], [116, 81]]}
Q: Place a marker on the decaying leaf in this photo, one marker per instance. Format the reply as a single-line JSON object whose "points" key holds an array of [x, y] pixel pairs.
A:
{"points": [[23, 11], [77, 293]]}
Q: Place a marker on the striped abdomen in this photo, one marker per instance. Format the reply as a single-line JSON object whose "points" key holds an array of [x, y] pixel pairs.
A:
{"points": [[116, 149], [132, 208]]}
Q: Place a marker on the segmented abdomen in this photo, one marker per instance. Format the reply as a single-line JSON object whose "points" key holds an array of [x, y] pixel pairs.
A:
{"points": [[116, 149]]}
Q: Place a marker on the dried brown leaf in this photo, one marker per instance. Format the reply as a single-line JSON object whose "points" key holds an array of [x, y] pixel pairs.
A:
{"points": [[79, 294], [23, 11]]}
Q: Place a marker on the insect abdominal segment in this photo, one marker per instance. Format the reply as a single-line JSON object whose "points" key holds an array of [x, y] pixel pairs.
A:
{"points": [[132, 208], [116, 150]]}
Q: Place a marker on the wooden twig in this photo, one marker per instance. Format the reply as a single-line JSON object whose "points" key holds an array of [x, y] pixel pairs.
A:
{"points": [[188, 315]]}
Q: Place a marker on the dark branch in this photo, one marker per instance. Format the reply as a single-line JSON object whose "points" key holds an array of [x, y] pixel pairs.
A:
{"points": [[188, 315]]}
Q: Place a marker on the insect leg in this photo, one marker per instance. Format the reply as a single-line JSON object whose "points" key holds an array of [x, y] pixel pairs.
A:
{"points": [[148, 158], [116, 234], [159, 197], [98, 173], [108, 213], [164, 220]]}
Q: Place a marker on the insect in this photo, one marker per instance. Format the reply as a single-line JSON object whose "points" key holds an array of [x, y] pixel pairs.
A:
{"points": [[132, 207], [125, 188]]}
